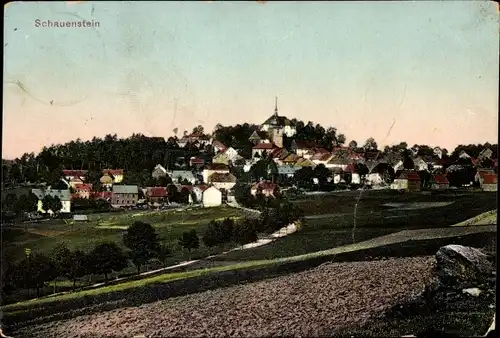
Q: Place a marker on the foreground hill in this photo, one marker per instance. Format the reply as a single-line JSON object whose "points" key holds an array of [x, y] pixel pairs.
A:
{"points": [[311, 303]]}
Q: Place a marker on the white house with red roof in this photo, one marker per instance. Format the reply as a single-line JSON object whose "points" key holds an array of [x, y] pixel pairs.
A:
{"points": [[218, 146], [83, 190], [439, 182], [214, 168]]}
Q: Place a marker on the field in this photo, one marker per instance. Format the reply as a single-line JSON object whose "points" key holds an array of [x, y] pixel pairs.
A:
{"points": [[45, 236], [330, 219]]}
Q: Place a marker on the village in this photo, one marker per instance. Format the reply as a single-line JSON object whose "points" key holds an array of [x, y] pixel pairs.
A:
{"points": [[304, 166]]}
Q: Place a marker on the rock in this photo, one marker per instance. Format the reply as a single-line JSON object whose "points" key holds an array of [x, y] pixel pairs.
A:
{"points": [[472, 291], [460, 265]]}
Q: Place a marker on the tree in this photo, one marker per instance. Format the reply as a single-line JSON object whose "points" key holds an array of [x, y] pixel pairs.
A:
{"points": [[184, 195], [79, 268], [370, 144], [304, 176], [106, 258], [198, 129], [189, 240], [173, 193], [353, 144], [244, 232], [210, 235], [35, 271], [163, 253], [341, 139], [322, 174], [142, 240]]}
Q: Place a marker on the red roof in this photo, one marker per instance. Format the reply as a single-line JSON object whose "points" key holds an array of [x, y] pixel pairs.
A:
{"points": [[351, 168], [265, 185], [412, 176], [156, 192], [265, 146], [197, 160], [84, 187], [202, 187], [74, 172], [113, 172], [440, 179], [490, 179], [219, 145]]}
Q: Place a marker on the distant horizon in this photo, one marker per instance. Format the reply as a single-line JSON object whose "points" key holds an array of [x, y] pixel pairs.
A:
{"points": [[416, 72]]}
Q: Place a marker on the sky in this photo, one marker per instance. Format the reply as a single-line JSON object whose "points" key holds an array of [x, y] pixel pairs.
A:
{"points": [[422, 72]]}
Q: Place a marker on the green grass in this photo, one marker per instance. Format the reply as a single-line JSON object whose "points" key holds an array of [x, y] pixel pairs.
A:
{"points": [[333, 220], [12, 308], [44, 237]]}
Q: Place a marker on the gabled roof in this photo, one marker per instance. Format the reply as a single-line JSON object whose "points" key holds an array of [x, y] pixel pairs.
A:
{"points": [[156, 192], [265, 146], [113, 172], [222, 178], [288, 169], [125, 189], [160, 167], [321, 157], [439, 179], [219, 145], [409, 175], [258, 135], [217, 166], [278, 152], [339, 160], [351, 168], [265, 185], [83, 187], [64, 195], [197, 160], [291, 158]]}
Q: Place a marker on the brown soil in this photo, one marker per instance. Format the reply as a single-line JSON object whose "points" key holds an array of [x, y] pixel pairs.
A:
{"points": [[316, 302]]}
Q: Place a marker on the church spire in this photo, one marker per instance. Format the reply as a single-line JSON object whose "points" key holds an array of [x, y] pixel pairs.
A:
{"points": [[276, 107]]}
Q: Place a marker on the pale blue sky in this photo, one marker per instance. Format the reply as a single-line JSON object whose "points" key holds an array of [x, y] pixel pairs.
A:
{"points": [[350, 65]]}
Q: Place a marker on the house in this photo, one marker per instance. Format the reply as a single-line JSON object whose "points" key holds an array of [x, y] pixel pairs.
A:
{"points": [[278, 155], [197, 193], [395, 160], [159, 171], [321, 158], [489, 182], [259, 137], [355, 177], [228, 156], [156, 194], [463, 154], [106, 180], [213, 168], [407, 180], [196, 162], [419, 164], [124, 195], [63, 195], [212, 197], [485, 153], [179, 176], [218, 146], [196, 138], [221, 158], [232, 154], [74, 181], [315, 151], [116, 174], [266, 187], [103, 195], [302, 147], [263, 148], [439, 182], [338, 161], [70, 174], [281, 123], [83, 190], [222, 181]]}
